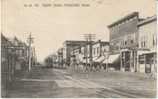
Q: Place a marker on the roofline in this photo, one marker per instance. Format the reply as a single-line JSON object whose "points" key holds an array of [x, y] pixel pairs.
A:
{"points": [[133, 14], [2, 36], [147, 20], [73, 41], [102, 42]]}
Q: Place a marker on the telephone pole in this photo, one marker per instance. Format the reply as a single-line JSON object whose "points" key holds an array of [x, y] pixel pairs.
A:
{"points": [[30, 41], [89, 38]]}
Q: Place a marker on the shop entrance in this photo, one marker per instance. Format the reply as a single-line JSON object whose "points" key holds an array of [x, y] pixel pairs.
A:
{"points": [[149, 62], [127, 61]]}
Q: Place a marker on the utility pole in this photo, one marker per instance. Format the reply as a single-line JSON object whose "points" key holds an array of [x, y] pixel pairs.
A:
{"points": [[30, 41], [89, 38], [34, 56]]}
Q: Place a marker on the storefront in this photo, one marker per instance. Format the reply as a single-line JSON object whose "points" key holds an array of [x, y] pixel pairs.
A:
{"points": [[147, 62], [128, 60], [98, 62], [113, 62]]}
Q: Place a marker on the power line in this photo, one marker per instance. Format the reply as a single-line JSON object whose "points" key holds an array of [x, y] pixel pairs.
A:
{"points": [[89, 39]]}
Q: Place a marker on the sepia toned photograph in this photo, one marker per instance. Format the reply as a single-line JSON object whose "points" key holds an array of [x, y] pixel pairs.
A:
{"points": [[78, 49]]}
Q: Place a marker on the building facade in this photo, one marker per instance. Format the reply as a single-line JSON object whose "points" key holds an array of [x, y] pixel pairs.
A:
{"points": [[16, 52], [100, 50], [60, 57], [90, 57], [68, 47], [147, 45], [124, 40], [13, 60]]}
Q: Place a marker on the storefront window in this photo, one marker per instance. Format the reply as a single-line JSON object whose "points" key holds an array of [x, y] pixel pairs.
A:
{"points": [[131, 41], [125, 42]]}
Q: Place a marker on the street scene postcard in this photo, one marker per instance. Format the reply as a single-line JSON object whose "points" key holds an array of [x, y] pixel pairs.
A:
{"points": [[78, 49]]}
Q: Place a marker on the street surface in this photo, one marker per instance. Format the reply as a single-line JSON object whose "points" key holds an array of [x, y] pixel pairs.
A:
{"points": [[61, 83]]}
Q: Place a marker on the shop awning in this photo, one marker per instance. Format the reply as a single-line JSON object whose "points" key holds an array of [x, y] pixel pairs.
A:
{"points": [[112, 58], [95, 58], [124, 49], [142, 52], [84, 61], [100, 59], [145, 52]]}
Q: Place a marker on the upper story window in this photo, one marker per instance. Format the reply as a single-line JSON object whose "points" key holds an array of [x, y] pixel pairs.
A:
{"points": [[94, 51], [98, 50], [122, 43], [105, 50], [79, 50], [131, 41], [154, 40], [125, 42], [144, 43]]}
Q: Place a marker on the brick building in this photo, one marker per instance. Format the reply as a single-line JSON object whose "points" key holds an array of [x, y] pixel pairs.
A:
{"points": [[124, 40]]}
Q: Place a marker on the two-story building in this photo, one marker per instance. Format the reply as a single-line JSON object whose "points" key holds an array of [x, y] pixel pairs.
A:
{"points": [[147, 45], [81, 55], [100, 50], [68, 46], [124, 40]]}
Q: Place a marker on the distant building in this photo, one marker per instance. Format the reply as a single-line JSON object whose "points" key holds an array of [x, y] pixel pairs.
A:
{"points": [[54, 60], [81, 55], [124, 40], [75, 54], [21, 50], [100, 50], [147, 45], [68, 47], [60, 57], [88, 53]]}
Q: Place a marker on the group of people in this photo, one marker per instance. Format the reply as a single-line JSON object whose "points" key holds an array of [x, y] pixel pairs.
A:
{"points": [[87, 67]]}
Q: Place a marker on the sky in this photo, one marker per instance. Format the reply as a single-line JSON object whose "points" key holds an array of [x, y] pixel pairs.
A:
{"points": [[51, 26]]}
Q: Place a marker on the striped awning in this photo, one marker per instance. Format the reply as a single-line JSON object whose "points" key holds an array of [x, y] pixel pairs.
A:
{"points": [[100, 59], [95, 58], [112, 58]]}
